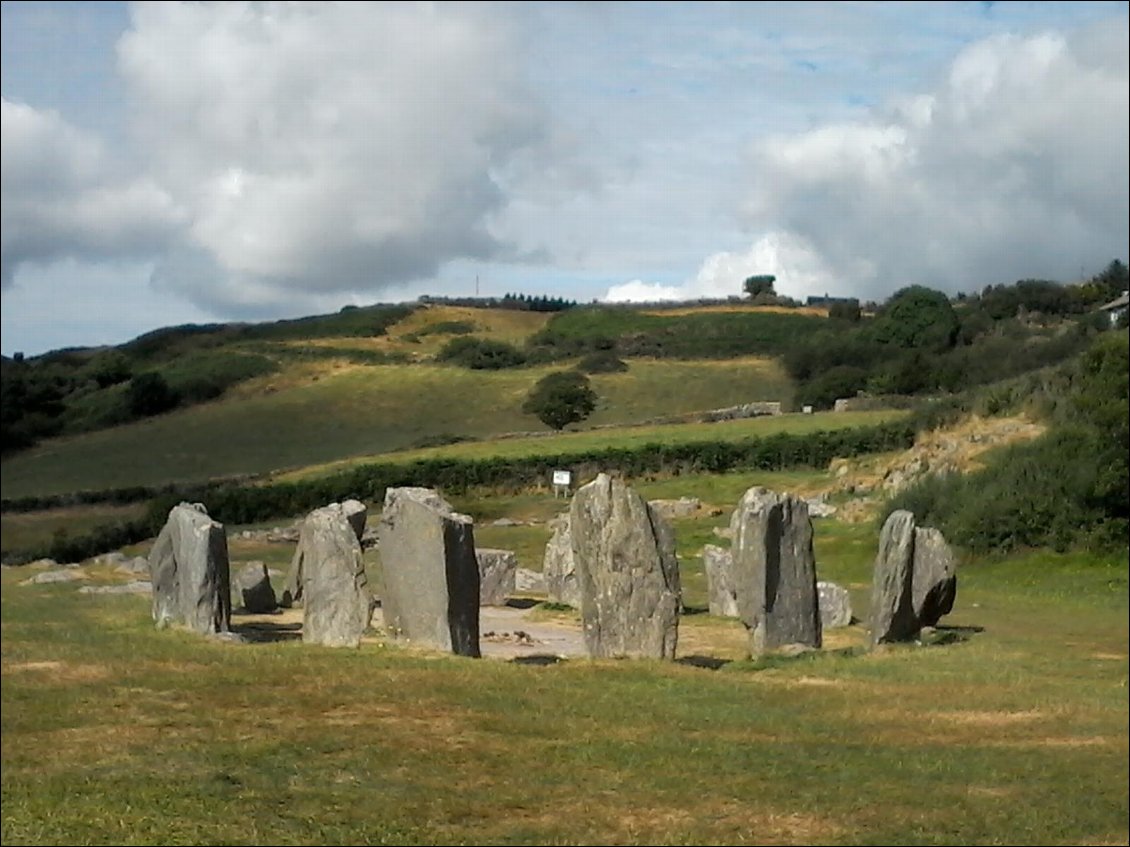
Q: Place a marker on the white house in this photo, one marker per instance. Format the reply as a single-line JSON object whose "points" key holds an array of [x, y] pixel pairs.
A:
{"points": [[1116, 308]]}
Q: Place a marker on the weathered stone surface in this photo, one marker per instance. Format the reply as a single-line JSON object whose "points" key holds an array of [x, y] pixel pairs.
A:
{"points": [[835, 605], [336, 600], [934, 583], [920, 596], [355, 513], [722, 596], [189, 571], [774, 571], [64, 575], [497, 575], [253, 583], [137, 586], [624, 552], [684, 507], [892, 603], [430, 574], [527, 581], [558, 567]]}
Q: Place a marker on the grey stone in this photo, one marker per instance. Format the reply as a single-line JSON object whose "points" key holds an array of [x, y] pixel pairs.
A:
{"points": [[774, 571], [189, 571], [255, 590], [430, 574], [684, 507], [497, 575], [628, 574], [527, 581], [336, 600], [117, 557], [835, 605], [46, 577], [137, 586], [136, 565], [558, 566], [934, 584], [355, 513], [892, 605], [718, 563]]}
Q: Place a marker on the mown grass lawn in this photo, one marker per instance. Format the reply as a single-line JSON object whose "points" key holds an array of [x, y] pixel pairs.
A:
{"points": [[1013, 733]]}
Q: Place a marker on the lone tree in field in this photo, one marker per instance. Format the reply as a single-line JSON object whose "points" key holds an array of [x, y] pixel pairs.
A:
{"points": [[561, 398], [760, 286]]}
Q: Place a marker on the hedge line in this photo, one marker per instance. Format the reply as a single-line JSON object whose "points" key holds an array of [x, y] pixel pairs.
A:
{"points": [[236, 503]]}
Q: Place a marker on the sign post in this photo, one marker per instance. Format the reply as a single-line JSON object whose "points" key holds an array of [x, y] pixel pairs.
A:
{"points": [[561, 482]]}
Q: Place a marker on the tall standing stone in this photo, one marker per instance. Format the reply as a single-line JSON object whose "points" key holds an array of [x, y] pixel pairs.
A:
{"points": [[336, 600], [190, 573], [627, 571], [718, 563], [775, 571], [558, 566], [430, 573], [892, 601]]}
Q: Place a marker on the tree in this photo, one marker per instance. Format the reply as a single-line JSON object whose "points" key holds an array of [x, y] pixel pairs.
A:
{"points": [[917, 318], [760, 285], [561, 398], [148, 394]]}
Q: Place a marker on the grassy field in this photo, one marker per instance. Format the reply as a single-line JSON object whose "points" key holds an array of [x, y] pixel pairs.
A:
{"points": [[1015, 732], [318, 413]]}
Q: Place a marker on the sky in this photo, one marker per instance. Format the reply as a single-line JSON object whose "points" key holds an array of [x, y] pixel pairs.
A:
{"points": [[167, 163]]}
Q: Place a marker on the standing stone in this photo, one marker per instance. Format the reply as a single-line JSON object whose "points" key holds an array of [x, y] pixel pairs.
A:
{"points": [[355, 513], [775, 571], [335, 592], [189, 571], [255, 590], [935, 576], [430, 592], [835, 605], [559, 567], [892, 603], [719, 566], [915, 581], [627, 572], [497, 573]]}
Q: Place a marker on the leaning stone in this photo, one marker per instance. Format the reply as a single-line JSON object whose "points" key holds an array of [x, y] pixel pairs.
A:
{"points": [[835, 605], [935, 576], [430, 574], [775, 571], [497, 575], [558, 566], [892, 604], [255, 591], [718, 564], [189, 571], [335, 593], [627, 571]]}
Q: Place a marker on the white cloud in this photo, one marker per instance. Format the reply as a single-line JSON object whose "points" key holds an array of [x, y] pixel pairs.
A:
{"points": [[798, 271], [328, 147], [61, 196], [1015, 167]]}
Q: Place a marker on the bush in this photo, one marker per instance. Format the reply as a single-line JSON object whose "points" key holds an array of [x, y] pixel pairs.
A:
{"points": [[481, 354], [602, 362]]}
